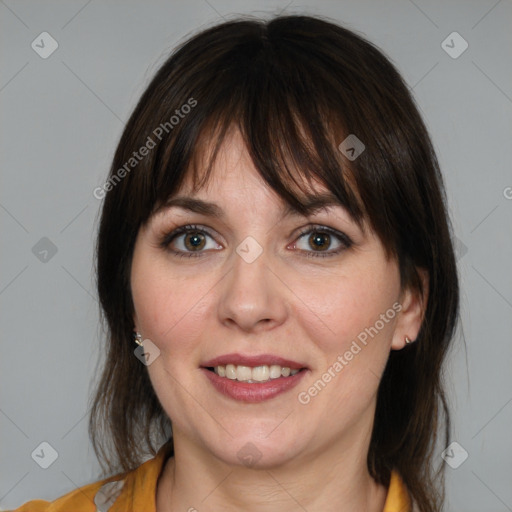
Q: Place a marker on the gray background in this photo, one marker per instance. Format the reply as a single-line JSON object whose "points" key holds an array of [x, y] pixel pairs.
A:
{"points": [[61, 120]]}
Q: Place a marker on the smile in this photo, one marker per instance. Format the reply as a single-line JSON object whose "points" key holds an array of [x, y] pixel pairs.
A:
{"points": [[253, 392], [254, 374]]}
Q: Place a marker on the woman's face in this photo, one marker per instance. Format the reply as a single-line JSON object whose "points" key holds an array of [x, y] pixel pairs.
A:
{"points": [[258, 288]]}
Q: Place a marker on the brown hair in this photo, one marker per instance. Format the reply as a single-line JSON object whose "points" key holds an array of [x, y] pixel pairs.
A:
{"points": [[295, 87]]}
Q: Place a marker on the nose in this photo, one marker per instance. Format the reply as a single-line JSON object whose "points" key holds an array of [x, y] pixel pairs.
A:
{"points": [[252, 297]]}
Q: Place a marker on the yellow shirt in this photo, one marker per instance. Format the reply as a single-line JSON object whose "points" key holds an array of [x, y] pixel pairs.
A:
{"points": [[135, 491]]}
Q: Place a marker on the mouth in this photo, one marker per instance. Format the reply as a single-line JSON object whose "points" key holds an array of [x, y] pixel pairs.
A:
{"points": [[252, 375], [253, 368], [253, 378]]}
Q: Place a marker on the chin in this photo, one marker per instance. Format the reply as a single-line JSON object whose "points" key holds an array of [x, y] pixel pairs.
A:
{"points": [[258, 452]]}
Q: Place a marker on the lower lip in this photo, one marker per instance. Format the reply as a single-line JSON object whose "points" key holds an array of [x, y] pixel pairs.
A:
{"points": [[256, 392]]}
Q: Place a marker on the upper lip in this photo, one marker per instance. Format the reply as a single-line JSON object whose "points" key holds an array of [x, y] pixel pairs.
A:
{"points": [[253, 360]]}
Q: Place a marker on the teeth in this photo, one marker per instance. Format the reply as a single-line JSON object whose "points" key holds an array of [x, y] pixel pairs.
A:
{"points": [[275, 371], [243, 373], [256, 374], [231, 371], [260, 373]]}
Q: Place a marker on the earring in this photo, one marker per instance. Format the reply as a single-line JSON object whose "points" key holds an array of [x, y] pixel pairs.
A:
{"points": [[137, 337], [408, 341]]}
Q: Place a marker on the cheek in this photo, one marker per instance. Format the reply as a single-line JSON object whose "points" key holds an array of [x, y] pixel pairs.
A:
{"points": [[166, 303], [151, 297], [341, 308], [170, 311], [351, 323]]}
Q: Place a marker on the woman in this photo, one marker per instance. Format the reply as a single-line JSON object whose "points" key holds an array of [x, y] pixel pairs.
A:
{"points": [[274, 238]]}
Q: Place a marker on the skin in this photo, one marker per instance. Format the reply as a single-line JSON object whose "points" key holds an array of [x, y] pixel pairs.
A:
{"points": [[308, 309]]}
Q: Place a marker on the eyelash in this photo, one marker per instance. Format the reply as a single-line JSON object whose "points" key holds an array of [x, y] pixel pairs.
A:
{"points": [[342, 238]]}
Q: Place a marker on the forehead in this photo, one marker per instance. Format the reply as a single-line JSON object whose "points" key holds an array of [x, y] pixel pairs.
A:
{"points": [[231, 165], [221, 172], [233, 172], [313, 204]]}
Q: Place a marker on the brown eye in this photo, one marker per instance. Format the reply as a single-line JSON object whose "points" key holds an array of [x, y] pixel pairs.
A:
{"points": [[189, 240], [319, 241], [322, 241], [194, 241]]}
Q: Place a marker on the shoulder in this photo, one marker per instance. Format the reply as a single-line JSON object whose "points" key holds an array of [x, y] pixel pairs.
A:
{"points": [[111, 494], [95, 497]]}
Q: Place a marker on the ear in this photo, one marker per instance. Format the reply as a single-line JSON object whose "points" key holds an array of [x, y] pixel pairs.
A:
{"points": [[411, 315]]}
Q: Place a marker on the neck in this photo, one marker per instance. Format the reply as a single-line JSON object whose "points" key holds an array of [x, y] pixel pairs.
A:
{"points": [[335, 479]]}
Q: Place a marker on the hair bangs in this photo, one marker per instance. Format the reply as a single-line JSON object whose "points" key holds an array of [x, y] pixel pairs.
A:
{"points": [[288, 133]]}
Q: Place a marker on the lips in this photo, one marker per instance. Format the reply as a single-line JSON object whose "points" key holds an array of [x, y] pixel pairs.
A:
{"points": [[253, 360], [255, 392]]}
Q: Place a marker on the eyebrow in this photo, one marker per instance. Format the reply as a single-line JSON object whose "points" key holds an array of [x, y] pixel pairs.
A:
{"points": [[311, 205]]}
